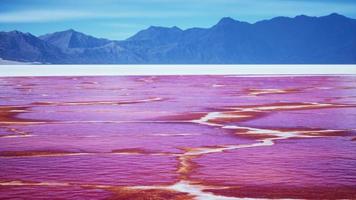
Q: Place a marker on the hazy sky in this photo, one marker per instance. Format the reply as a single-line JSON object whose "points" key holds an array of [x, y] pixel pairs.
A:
{"points": [[119, 19]]}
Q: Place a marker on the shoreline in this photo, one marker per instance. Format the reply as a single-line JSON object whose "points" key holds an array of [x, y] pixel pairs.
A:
{"points": [[166, 70]]}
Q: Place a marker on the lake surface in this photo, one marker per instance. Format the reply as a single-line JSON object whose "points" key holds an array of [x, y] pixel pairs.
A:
{"points": [[178, 137]]}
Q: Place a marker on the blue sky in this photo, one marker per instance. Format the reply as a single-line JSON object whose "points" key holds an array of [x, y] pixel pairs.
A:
{"points": [[119, 19]]}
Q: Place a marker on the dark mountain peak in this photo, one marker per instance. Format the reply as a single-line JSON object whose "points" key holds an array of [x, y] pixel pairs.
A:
{"points": [[302, 17], [65, 33], [335, 15], [19, 34], [279, 19], [73, 39], [157, 33], [70, 30], [176, 28], [226, 20], [15, 32], [161, 28], [156, 28], [335, 19]]}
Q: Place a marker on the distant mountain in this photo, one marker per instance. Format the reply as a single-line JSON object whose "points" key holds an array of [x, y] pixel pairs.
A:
{"points": [[298, 40], [82, 48], [158, 35], [24, 47], [282, 40], [73, 39]]}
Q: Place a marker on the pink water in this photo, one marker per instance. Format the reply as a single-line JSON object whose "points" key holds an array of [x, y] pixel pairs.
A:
{"points": [[178, 137]]}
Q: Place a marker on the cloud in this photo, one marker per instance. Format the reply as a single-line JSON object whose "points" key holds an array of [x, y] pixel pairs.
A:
{"points": [[183, 13], [41, 16], [32, 16]]}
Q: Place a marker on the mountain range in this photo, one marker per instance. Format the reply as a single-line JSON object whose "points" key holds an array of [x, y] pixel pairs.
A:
{"points": [[303, 39]]}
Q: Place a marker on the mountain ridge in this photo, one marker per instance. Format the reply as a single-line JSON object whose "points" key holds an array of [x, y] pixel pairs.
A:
{"points": [[73, 39], [302, 39]]}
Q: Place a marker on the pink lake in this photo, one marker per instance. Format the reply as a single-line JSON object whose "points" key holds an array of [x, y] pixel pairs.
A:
{"points": [[178, 137]]}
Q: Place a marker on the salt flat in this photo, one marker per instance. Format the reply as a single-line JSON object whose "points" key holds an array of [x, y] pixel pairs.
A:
{"points": [[126, 70]]}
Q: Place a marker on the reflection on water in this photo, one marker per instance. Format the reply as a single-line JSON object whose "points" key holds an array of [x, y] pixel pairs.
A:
{"points": [[178, 137]]}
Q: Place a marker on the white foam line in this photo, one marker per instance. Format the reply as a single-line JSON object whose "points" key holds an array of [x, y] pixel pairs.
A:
{"points": [[208, 117], [20, 183], [181, 186], [88, 122], [218, 85], [216, 115], [17, 136], [193, 189], [197, 191], [310, 105], [267, 91], [279, 135], [175, 134], [127, 70], [102, 102], [49, 155], [21, 123]]}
